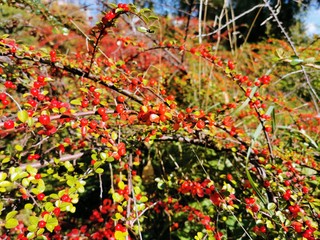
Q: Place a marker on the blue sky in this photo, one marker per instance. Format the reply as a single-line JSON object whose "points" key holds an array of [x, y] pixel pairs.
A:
{"points": [[312, 20]]}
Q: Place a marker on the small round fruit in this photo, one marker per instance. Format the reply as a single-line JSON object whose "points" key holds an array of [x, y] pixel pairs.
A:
{"points": [[8, 124], [42, 224], [65, 198], [200, 124], [44, 119], [37, 176], [56, 211], [119, 108], [121, 99], [40, 196], [41, 78]]}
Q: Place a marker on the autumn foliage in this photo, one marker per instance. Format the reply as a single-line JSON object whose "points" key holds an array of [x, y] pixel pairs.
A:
{"points": [[132, 129]]}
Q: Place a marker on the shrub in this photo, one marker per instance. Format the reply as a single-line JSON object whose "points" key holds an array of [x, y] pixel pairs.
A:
{"points": [[121, 137]]}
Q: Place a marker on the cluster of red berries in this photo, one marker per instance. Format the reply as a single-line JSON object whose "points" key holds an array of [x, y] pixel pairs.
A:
{"points": [[94, 97], [259, 229], [112, 14], [197, 188], [252, 205], [9, 124], [10, 85], [53, 56], [33, 157], [3, 99], [265, 80], [124, 7]]}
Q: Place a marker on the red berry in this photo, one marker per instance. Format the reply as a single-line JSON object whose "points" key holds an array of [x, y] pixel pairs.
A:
{"points": [[287, 195], [307, 234], [255, 208], [84, 103], [34, 92], [44, 119], [40, 196], [9, 84], [230, 65], [120, 228], [256, 229], [101, 111], [96, 94], [297, 226], [37, 84], [57, 228], [96, 101], [122, 151], [40, 78], [52, 53], [119, 108], [44, 213], [120, 99], [56, 211], [65, 198], [13, 49], [84, 122], [41, 224], [3, 96], [37, 176], [263, 229], [200, 124], [305, 190], [286, 183], [8, 124]]}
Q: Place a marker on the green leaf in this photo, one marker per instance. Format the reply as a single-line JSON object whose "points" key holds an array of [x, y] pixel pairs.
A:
{"points": [[25, 182], [3, 176], [76, 102], [118, 216], [11, 214], [31, 170], [153, 17], [5, 184], [103, 155], [99, 170], [49, 206], [142, 29], [51, 224], [117, 197], [112, 5], [143, 199], [5, 160], [295, 61], [84, 90], [272, 206], [269, 224], [23, 116], [30, 122], [28, 206], [281, 216], [18, 147], [11, 223], [41, 186]]}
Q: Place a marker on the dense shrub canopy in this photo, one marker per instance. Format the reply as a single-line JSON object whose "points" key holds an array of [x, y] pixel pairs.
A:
{"points": [[139, 128]]}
